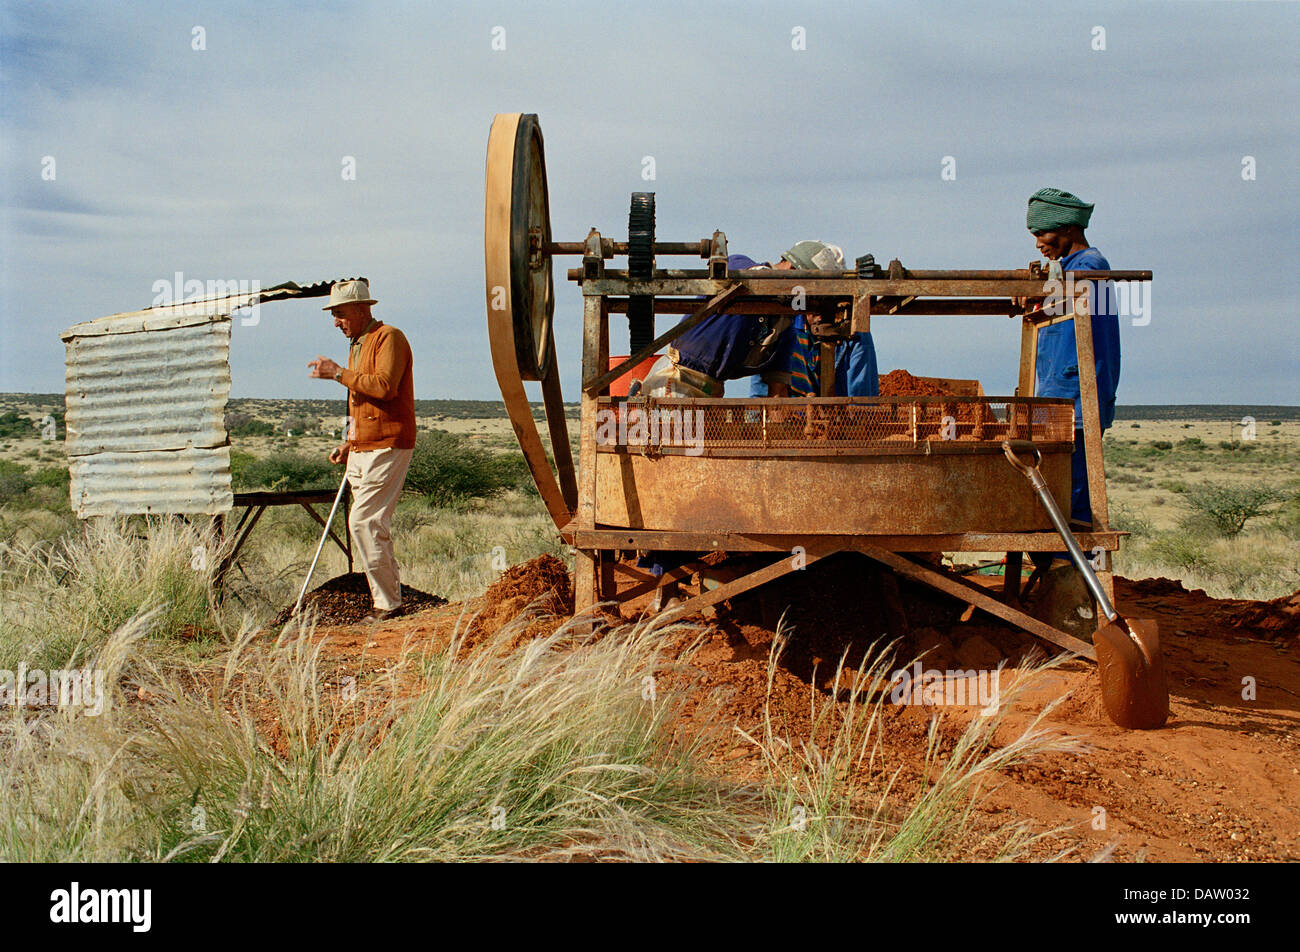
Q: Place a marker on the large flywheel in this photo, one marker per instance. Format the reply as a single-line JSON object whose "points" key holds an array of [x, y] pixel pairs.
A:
{"points": [[520, 301]]}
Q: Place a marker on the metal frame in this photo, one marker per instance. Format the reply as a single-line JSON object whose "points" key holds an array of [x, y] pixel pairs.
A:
{"points": [[255, 505], [854, 298]]}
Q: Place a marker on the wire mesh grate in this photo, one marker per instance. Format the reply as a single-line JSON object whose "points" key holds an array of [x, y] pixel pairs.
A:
{"points": [[829, 425]]}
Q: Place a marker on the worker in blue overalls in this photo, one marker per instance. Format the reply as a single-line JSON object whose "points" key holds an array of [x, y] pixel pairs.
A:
{"points": [[856, 373], [728, 347], [1057, 221]]}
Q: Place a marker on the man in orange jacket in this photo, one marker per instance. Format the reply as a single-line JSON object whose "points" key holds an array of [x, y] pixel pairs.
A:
{"points": [[380, 437]]}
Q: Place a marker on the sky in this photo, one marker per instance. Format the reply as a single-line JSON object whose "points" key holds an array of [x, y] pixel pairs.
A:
{"points": [[128, 155]]}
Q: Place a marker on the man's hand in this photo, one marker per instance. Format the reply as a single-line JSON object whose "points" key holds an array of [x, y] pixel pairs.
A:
{"points": [[339, 454], [323, 368]]}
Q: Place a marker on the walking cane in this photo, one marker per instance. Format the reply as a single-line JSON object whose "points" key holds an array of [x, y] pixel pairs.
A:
{"points": [[321, 545]]}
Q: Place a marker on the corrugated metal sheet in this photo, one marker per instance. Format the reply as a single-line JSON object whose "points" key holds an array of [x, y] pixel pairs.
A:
{"points": [[146, 405], [176, 481], [146, 401]]}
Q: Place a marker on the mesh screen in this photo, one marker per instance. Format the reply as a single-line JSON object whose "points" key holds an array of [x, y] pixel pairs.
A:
{"points": [[828, 425]]}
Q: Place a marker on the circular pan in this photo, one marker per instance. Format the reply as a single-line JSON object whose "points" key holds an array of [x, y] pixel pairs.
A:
{"points": [[532, 289], [640, 264]]}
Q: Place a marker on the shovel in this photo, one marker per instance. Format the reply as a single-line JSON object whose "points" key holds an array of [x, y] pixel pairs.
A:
{"points": [[1133, 687]]}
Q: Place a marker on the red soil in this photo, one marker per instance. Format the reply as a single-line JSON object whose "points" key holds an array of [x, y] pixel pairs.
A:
{"points": [[1218, 783]]}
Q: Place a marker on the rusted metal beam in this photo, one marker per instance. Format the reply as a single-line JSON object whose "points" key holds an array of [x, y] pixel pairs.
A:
{"points": [[779, 284], [613, 537], [699, 249], [960, 588], [707, 310], [650, 583], [733, 588]]}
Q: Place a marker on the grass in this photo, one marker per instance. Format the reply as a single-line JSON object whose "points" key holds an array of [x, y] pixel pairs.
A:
{"points": [[825, 818], [221, 746], [263, 749], [1218, 514]]}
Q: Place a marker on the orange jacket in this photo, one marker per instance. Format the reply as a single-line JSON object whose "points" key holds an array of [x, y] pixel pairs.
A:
{"points": [[381, 395]]}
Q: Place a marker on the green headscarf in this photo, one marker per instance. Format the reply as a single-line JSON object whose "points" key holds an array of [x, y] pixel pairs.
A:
{"points": [[1051, 209]]}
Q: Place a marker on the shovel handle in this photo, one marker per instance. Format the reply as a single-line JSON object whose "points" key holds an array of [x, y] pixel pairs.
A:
{"points": [[1015, 450]]}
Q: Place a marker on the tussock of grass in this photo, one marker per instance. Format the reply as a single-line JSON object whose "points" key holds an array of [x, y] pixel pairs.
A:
{"points": [[258, 747], [60, 601], [821, 817]]}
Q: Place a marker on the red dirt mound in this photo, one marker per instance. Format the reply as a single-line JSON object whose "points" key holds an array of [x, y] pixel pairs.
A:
{"points": [[1279, 618], [542, 583], [899, 383]]}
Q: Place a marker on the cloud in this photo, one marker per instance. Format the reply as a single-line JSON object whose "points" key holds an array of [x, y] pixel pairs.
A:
{"points": [[226, 163]]}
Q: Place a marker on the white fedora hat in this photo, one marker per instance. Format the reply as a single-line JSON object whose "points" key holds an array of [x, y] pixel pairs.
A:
{"points": [[349, 292]]}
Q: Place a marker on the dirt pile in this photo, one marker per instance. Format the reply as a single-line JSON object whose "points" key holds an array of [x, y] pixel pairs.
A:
{"points": [[1279, 618], [899, 383], [345, 600], [542, 583]]}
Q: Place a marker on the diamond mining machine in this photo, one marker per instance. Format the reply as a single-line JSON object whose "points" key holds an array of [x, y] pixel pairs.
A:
{"points": [[888, 476]]}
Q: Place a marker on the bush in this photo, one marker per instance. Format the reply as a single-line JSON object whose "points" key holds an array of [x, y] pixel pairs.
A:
{"points": [[245, 424], [56, 476], [14, 481], [1162, 445], [299, 424], [282, 472], [1230, 507], [1182, 548], [1192, 442], [446, 468]]}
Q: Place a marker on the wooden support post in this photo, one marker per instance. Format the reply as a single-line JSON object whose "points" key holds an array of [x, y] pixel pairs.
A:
{"points": [[826, 370], [595, 355], [1028, 358], [1011, 577], [1091, 412], [1092, 437]]}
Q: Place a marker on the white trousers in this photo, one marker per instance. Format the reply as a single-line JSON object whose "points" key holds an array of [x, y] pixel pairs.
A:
{"points": [[376, 478]]}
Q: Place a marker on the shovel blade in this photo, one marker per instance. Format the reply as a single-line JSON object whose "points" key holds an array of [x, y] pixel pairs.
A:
{"points": [[1132, 670]]}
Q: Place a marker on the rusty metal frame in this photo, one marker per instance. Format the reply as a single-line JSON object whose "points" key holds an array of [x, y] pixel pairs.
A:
{"points": [[896, 292], [255, 505]]}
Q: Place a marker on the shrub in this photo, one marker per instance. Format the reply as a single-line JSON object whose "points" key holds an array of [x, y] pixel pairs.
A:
{"points": [[14, 481], [1182, 548], [446, 468], [1126, 520], [245, 424], [1162, 445], [1192, 442], [1230, 507], [300, 423], [56, 476], [282, 472]]}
